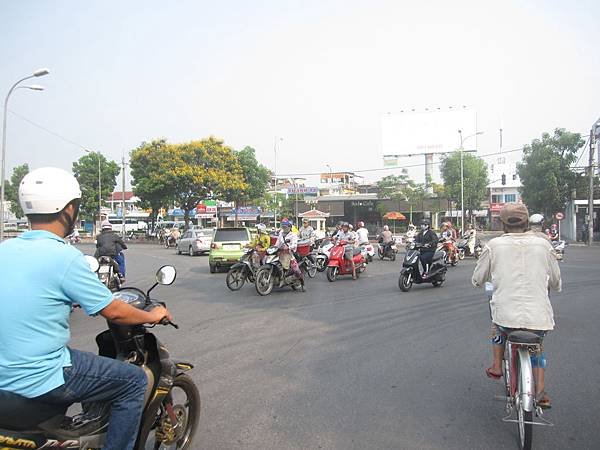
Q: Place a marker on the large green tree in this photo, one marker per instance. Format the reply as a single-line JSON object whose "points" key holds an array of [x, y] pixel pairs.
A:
{"points": [[256, 176], [475, 179], [391, 186], [545, 171], [148, 162], [86, 171], [11, 189]]}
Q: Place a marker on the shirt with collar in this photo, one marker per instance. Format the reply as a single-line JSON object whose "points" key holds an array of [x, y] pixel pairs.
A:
{"points": [[40, 279], [522, 267]]}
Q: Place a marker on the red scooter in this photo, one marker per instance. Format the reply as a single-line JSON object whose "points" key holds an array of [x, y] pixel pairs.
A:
{"points": [[338, 265]]}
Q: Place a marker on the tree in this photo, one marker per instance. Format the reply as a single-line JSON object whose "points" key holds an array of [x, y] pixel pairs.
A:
{"points": [[11, 189], [475, 179], [201, 169], [391, 185], [148, 162], [86, 171], [546, 177]]}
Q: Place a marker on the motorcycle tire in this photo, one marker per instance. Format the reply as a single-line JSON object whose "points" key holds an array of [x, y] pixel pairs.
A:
{"points": [[148, 438], [311, 267], [380, 253], [235, 279], [332, 273], [403, 283], [461, 254], [440, 280], [321, 264], [264, 283], [393, 256]]}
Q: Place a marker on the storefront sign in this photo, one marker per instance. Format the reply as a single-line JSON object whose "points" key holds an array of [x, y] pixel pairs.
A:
{"points": [[304, 190]]}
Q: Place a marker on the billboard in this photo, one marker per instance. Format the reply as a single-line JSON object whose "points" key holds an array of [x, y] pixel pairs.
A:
{"points": [[422, 132]]}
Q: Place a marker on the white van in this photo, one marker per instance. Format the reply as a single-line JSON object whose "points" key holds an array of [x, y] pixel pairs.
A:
{"points": [[131, 224]]}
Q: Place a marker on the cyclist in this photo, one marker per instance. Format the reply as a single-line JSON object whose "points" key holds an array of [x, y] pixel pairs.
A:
{"points": [[523, 267], [36, 295]]}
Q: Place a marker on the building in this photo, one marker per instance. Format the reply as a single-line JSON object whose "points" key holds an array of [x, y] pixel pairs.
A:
{"points": [[115, 201], [504, 187], [339, 183]]}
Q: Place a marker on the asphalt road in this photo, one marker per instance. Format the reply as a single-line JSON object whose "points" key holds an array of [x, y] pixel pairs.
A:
{"points": [[361, 365]]}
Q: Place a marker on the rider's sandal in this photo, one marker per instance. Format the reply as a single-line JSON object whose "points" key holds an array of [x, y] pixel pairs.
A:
{"points": [[543, 401], [493, 375]]}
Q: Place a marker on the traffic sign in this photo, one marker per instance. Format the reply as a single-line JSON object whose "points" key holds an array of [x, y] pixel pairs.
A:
{"points": [[559, 216]]}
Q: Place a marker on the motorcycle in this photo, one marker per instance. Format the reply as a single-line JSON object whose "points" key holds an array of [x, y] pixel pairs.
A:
{"points": [[242, 271], [272, 274], [172, 401], [559, 248], [73, 239], [338, 265], [450, 251], [108, 273], [463, 249], [410, 273], [368, 252], [323, 252], [170, 239], [386, 251]]}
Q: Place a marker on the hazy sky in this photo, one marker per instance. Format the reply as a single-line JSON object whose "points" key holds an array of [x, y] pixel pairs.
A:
{"points": [[318, 73]]}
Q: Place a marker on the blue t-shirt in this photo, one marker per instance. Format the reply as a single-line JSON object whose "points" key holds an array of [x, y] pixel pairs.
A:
{"points": [[40, 278]]}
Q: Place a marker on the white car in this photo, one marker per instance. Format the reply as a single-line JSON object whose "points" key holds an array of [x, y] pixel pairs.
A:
{"points": [[195, 241]]}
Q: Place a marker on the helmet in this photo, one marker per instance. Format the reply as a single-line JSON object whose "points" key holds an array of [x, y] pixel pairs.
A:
{"points": [[386, 228], [350, 226], [286, 223], [360, 224], [261, 228], [345, 224], [47, 191], [425, 222], [106, 225], [536, 219]]}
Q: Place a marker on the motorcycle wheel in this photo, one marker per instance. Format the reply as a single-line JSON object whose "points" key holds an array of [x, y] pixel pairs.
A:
{"points": [[321, 264], [461, 253], [404, 283], [454, 261], [235, 279], [380, 253], [440, 280], [187, 411], [310, 267], [393, 256], [264, 281], [332, 273]]}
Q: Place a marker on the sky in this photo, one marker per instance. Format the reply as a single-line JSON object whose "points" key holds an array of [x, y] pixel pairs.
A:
{"points": [[319, 74]]}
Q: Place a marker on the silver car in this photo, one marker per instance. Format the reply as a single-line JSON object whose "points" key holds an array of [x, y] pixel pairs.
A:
{"points": [[195, 241]]}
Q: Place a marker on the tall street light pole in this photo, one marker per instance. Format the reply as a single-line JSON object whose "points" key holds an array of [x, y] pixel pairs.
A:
{"points": [[99, 185], [37, 73], [462, 179]]}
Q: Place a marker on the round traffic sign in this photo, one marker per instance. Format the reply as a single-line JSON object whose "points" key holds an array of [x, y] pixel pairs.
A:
{"points": [[559, 216]]}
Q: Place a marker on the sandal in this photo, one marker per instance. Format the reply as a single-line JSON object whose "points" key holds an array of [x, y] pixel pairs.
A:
{"points": [[493, 375], [542, 400]]}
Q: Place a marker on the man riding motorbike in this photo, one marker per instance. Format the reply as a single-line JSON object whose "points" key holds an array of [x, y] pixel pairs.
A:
{"points": [[349, 236], [36, 297], [260, 243], [109, 243], [471, 237], [519, 302], [287, 242], [428, 238], [307, 232], [362, 234], [536, 225], [448, 236], [387, 239], [553, 234]]}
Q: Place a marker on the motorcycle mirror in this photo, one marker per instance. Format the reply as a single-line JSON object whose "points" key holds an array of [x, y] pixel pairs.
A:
{"points": [[93, 263], [166, 275], [489, 289]]}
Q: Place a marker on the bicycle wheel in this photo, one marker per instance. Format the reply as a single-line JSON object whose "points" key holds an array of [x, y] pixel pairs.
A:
{"points": [[525, 418]]}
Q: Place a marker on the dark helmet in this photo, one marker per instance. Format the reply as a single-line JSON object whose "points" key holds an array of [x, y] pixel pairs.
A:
{"points": [[425, 222]]}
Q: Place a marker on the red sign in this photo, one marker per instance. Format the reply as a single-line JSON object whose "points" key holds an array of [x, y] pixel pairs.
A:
{"points": [[496, 207], [201, 208], [559, 216]]}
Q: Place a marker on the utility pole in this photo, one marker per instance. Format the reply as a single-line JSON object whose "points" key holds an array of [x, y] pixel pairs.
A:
{"points": [[591, 192], [123, 199]]}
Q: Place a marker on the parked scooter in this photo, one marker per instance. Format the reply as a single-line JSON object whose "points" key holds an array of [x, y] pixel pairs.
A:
{"points": [[324, 247], [272, 274], [338, 265], [242, 271], [172, 409], [411, 274], [108, 273]]}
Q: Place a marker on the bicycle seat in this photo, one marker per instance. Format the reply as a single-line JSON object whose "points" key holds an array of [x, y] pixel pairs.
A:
{"points": [[22, 413], [524, 337]]}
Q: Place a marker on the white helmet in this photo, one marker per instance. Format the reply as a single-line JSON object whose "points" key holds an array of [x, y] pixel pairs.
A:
{"points": [[106, 225], [47, 191], [536, 219], [261, 228]]}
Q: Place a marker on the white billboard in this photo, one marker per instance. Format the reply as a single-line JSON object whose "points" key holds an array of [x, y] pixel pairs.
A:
{"points": [[423, 132]]}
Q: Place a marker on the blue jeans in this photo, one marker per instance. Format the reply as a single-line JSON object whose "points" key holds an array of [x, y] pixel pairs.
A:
{"points": [[120, 259], [94, 378]]}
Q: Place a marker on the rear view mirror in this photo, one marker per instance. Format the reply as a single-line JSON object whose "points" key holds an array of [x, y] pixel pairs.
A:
{"points": [[166, 275], [93, 262]]}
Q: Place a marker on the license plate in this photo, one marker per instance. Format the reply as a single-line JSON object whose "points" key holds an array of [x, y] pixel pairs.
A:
{"points": [[230, 247], [104, 269]]}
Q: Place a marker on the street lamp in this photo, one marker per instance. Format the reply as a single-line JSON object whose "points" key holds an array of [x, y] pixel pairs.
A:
{"points": [[99, 183], [462, 179], [276, 140], [35, 87], [330, 177]]}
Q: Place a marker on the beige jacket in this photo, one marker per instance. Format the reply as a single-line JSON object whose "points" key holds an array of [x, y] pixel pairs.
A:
{"points": [[522, 267]]}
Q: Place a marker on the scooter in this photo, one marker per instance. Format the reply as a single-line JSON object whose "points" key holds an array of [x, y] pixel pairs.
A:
{"points": [[168, 420], [273, 274], [450, 251], [242, 271], [387, 251], [108, 273], [368, 252], [463, 249], [323, 253], [338, 265], [410, 273], [559, 248]]}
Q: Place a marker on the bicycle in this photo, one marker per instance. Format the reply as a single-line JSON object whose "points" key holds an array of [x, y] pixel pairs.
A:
{"points": [[519, 382]]}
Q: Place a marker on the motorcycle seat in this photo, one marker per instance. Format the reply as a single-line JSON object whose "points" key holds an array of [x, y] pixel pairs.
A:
{"points": [[22, 413], [438, 255], [524, 337]]}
